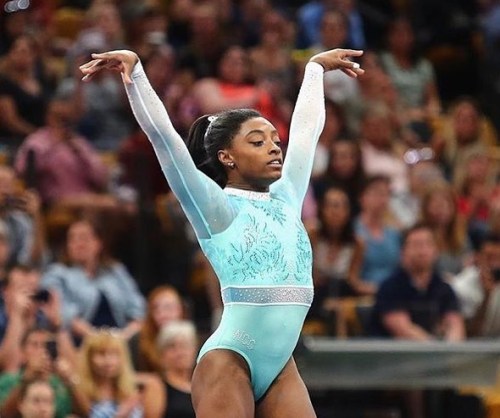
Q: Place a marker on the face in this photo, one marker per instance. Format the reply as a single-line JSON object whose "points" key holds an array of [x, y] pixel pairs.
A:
{"points": [[39, 401], [420, 251], [377, 130], [35, 344], [375, 198], [335, 208], [333, 30], [440, 209], [22, 54], [179, 354], [478, 167], [233, 66], [60, 115], [83, 244], [490, 255], [166, 307], [466, 122], [344, 159], [401, 38], [7, 181], [256, 154], [106, 363]]}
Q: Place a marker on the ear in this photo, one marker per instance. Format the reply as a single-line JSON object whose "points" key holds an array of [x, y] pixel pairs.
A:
{"points": [[225, 158]]}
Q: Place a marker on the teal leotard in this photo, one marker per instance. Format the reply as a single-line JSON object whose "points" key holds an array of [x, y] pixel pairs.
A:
{"points": [[255, 241]]}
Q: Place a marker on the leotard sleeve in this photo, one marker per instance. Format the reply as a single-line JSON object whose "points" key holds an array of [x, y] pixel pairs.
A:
{"points": [[307, 123], [204, 202]]}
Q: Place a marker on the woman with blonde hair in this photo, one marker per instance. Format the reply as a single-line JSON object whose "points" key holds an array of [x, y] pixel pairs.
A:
{"points": [[109, 381], [439, 210]]}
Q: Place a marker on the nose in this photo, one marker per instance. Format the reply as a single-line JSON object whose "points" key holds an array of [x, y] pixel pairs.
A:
{"points": [[275, 148]]}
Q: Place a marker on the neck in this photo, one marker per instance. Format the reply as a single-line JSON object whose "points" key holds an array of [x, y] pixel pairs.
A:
{"points": [[247, 187], [106, 387], [372, 220], [179, 378], [421, 278]]}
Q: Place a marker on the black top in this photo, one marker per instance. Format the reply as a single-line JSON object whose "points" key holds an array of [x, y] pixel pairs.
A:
{"points": [[103, 316], [178, 403], [426, 307]]}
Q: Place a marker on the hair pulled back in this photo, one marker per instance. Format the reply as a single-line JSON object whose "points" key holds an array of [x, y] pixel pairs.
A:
{"points": [[211, 133]]}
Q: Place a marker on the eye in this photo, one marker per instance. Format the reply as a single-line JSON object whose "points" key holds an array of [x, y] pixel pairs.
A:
{"points": [[258, 143]]}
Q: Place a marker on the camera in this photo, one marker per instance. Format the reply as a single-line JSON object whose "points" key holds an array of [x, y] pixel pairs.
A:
{"points": [[42, 296], [51, 346]]}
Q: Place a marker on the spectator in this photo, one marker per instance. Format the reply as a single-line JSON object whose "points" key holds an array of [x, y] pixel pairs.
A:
{"points": [[478, 290], [413, 77], [37, 400], [109, 382], [345, 170], [439, 210], [20, 211], [414, 302], [163, 306], [66, 166], [309, 18], [23, 305], [421, 173], [22, 97], [381, 151], [337, 257], [380, 239], [95, 289], [54, 367], [233, 88], [463, 131], [178, 344]]}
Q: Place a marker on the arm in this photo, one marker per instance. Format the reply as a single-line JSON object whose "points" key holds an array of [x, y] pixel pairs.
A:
{"points": [[202, 199], [399, 325], [308, 119], [361, 287], [453, 326]]}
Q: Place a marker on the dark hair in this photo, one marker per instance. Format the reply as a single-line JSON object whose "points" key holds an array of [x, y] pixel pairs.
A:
{"points": [[371, 180], [24, 268], [347, 234], [417, 227], [490, 238], [211, 133]]}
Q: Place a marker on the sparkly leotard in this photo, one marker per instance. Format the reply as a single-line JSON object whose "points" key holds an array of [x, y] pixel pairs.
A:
{"points": [[255, 241]]}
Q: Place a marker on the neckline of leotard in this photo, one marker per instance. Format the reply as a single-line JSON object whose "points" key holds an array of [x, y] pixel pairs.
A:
{"points": [[248, 194]]}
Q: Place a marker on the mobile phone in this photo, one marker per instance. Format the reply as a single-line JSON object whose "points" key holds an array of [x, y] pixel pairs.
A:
{"points": [[51, 346], [42, 296]]}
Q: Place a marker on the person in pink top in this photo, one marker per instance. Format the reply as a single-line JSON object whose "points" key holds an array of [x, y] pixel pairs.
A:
{"points": [[64, 164]]}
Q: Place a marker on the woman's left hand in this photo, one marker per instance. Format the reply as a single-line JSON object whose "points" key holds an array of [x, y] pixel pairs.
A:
{"points": [[339, 59]]}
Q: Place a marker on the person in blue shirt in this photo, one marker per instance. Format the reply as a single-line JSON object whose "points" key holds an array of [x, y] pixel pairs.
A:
{"points": [[244, 203]]}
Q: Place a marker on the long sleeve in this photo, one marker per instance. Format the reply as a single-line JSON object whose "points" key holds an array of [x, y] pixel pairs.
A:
{"points": [[204, 202], [307, 123]]}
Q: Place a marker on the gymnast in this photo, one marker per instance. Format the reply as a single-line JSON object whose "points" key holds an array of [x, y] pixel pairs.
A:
{"points": [[244, 203]]}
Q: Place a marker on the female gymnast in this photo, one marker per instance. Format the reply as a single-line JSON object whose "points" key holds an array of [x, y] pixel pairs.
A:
{"points": [[244, 203]]}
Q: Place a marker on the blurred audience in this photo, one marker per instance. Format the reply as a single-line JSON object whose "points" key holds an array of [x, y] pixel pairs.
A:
{"points": [[37, 400], [381, 240], [110, 383], [164, 305], [95, 289], [414, 302], [439, 210], [478, 290], [65, 165], [21, 213], [44, 358], [178, 344]]}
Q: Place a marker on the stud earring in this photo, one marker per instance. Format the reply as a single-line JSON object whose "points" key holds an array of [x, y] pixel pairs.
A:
{"points": [[230, 164]]}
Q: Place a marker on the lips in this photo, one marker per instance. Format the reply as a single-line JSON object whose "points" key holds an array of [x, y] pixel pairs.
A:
{"points": [[275, 163]]}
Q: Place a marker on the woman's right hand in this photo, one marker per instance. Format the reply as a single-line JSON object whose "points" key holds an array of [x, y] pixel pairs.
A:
{"points": [[122, 61], [339, 59]]}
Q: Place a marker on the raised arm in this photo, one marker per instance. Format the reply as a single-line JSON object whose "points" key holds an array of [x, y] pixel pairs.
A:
{"points": [[309, 116], [202, 199]]}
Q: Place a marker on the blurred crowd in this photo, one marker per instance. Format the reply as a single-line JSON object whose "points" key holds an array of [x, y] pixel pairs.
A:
{"points": [[105, 294]]}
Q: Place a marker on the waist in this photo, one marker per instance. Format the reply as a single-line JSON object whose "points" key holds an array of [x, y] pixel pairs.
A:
{"points": [[268, 295]]}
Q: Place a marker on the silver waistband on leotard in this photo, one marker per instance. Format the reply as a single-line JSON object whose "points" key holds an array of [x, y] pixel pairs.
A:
{"points": [[268, 295]]}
